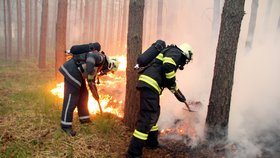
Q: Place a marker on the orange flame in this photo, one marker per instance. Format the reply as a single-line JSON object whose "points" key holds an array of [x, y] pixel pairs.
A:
{"points": [[111, 91]]}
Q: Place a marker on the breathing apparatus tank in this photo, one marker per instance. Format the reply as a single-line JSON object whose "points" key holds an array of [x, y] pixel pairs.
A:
{"points": [[146, 57], [85, 48]]}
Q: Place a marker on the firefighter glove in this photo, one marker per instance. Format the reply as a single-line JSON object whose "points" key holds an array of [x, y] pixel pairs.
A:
{"points": [[180, 96], [90, 78]]}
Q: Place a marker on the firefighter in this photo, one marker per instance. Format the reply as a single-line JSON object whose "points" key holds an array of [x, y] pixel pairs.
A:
{"points": [[76, 71], [159, 74]]}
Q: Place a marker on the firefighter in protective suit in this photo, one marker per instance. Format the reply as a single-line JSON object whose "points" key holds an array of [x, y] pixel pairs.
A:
{"points": [[76, 71], [160, 73]]}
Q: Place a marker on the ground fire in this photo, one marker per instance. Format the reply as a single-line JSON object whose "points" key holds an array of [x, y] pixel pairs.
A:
{"points": [[111, 89]]}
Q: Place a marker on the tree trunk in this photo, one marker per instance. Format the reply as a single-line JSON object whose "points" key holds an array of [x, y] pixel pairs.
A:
{"points": [[216, 18], [267, 13], [106, 27], [86, 21], [278, 25], [159, 18], [27, 29], [5, 30], [9, 29], [119, 24], [134, 43], [36, 29], [44, 33], [112, 35], [81, 23], [19, 30], [60, 37], [220, 97], [98, 20], [252, 24], [124, 26]]}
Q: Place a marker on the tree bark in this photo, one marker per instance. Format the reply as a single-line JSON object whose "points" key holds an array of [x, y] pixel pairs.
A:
{"points": [[5, 30], [216, 18], [111, 32], [9, 29], [124, 26], [105, 33], [220, 97], [86, 21], [119, 24], [36, 29], [19, 29], [44, 33], [134, 43], [60, 37], [98, 20], [27, 29], [278, 24], [159, 18], [252, 24]]}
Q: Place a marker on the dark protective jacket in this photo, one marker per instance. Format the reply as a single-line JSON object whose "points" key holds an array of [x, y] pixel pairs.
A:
{"points": [[86, 63], [162, 71]]}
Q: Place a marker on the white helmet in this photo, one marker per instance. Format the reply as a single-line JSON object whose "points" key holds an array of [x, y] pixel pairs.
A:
{"points": [[186, 50], [113, 64]]}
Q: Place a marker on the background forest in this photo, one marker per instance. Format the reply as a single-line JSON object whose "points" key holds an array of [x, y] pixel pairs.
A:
{"points": [[35, 33]]}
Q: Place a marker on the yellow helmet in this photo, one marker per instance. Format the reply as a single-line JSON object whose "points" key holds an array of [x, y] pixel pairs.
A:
{"points": [[113, 64], [187, 50]]}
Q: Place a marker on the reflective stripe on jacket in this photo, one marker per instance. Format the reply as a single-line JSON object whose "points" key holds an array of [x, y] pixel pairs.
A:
{"points": [[162, 72]]}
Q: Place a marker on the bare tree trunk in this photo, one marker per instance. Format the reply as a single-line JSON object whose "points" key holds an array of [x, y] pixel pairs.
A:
{"points": [[105, 33], [86, 21], [159, 18], [98, 20], [134, 43], [93, 16], [278, 25], [9, 29], [44, 33], [252, 24], [27, 29], [111, 31], [119, 24], [60, 37], [19, 29], [5, 30], [220, 97], [36, 29], [216, 19], [124, 26], [267, 11], [148, 29], [81, 21]]}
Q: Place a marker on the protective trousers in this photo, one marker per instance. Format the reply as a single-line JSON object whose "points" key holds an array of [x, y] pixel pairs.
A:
{"points": [[73, 97], [146, 131]]}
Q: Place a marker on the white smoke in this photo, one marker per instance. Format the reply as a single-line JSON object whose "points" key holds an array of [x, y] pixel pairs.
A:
{"points": [[255, 115]]}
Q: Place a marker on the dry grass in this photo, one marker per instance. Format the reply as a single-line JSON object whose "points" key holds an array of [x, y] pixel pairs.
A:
{"points": [[30, 116]]}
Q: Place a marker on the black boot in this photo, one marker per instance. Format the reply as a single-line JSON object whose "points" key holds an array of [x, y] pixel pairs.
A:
{"points": [[152, 142], [135, 148], [84, 121], [69, 131]]}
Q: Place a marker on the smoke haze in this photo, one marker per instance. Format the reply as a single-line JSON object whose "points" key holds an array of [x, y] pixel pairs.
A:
{"points": [[255, 115]]}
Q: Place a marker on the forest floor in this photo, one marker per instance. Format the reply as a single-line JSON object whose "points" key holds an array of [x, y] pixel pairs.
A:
{"points": [[30, 123]]}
